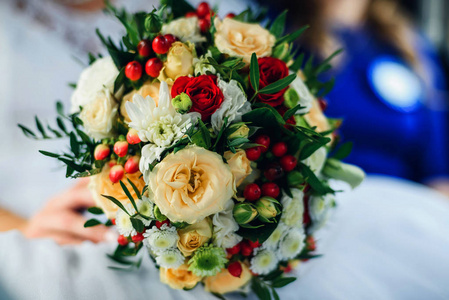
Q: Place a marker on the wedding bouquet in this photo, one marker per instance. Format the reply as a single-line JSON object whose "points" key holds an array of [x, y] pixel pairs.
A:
{"points": [[206, 146]]}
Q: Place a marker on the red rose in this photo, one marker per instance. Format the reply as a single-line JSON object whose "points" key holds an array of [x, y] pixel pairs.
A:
{"points": [[271, 70], [206, 96]]}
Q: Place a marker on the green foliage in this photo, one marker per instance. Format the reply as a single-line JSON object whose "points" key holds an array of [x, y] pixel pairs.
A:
{"points": [[264, 286], [278, 26]]}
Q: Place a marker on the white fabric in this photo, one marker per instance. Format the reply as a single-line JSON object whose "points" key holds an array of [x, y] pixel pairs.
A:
{"points": [[387, 240]]}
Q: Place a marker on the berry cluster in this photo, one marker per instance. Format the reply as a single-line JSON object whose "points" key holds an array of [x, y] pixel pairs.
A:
{"points": [[245, 248], [204, 14]]}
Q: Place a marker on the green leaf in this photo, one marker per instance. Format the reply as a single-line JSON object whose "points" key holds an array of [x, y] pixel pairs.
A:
{"points": [[292, 36], [289, 113], [74, 145], [273, 275], [27, 132], [136, 190], [61, 125], [275, 294], [205, 133], [120, 80], [116, 202], [277, 28], [264, 117], [50, 154], [238, 141], [91, 223], [343, 151], [137, 224], [260, 289], [40, 127], [95, 210], [120, 260], [278, 85], [60, 108], [283, 281], [298, 63], [308, 149], [317, 185], [254, 75], [125, 189], [86, 139]]}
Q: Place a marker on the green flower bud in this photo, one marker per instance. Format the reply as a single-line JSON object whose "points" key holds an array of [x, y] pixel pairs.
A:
{"points": [[182, 103], [291, 98], [351, 174], [268, 208], [244, 213], [153, 23], [158, 215], [295, 178], [239, 130], [281, 51]]}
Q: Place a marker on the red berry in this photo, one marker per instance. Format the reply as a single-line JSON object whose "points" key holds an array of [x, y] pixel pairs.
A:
{"points": [[113, 221], [270, 189], [263, 140], [288, 269], [274, 172], [153, 67], [252, 192], [101, 152], [203, 10], [170, 38], [323, 104], [253, 153], [234, 250], [310, 243], [112, 163], [204, 25], [247, 250], [132, 137], [116, 173], [190, 14], [160, 45], [235, 269], [122, 240], [138, 237], [132, 165], [159, 223], [144, 48], [121, 148], [288, 162], [255, 244], [279, 149], [133, 70], [230, 15], [306, 216]]}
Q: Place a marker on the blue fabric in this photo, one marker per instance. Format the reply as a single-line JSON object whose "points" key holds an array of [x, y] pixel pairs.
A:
{"points": [[409, 145]]}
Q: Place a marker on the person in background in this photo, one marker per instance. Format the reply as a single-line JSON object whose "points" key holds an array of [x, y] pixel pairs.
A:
{"points": [[390, 88]]}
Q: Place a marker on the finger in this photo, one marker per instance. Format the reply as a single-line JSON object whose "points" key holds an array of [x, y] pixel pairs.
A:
{"points": [[62, 238], [73, 223], [82, 182], [73, 199]]}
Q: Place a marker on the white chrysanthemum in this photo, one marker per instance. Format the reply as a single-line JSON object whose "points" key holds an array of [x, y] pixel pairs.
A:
{"points": [[157, 123], [201, 65], [264, 262], [186, 29], [292, 244], [316, 161], [273, 240], [123, 221], [293, 208], [170, 259], [145, 207], [160, 240], [233, 107], [305, 97], [319, 210], [225, 227]]}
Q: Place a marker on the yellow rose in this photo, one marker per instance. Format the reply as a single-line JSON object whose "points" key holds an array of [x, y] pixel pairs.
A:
{"points": [[100, 184], [179, 62], [149, 88], [240, 165], [191, 184], [224, 282], [240, 39], [180, 278], [194, 236]]}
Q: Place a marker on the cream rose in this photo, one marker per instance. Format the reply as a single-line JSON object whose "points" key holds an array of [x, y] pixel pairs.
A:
{"points": [[93, 80], [179, 62], [315, 117], [180, 278], [186, 29], [240, 165], [240, 39], [100, 184], [149, 88], [99, 115], [191, 184], [194, 236], [224, 282]]}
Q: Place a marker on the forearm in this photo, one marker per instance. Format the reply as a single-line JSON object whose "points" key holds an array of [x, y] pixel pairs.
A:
{"points": [[10, 221]]}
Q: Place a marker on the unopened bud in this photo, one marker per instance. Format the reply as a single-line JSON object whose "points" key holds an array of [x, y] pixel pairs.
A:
{"points": [[291, 98], [238, 130], [244, 213], [182, 103], [158, 215], [281, 51], [153, 23], [268, 208]]}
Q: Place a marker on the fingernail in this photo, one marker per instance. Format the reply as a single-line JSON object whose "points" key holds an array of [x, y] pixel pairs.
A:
{"points": [[111, 236]]}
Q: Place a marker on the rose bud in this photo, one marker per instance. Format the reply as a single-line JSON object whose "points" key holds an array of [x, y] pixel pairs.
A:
{"points": [[244, 213], [281, 51], [182, 103], [153, 23], [132, 137], [267, 208], [132, 164], [235, 269], [291, 98], [179, 61], [158, 215], [116, 173], [121, 148], [101, 152], [238, 130]]}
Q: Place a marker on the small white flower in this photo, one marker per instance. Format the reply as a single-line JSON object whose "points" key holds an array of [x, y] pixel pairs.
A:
{"points": [[292, 244], [305, 97], [170, 259], [186, 29], [273, 240], [225, 227], [201, 65], [145, 207], [293, 209], [233, 107], [319, 209], [316, 161], [160, 240], [158, 124], [123, 221], [264, 262]]}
